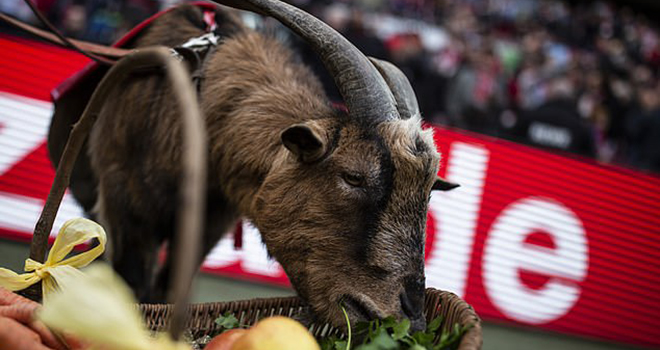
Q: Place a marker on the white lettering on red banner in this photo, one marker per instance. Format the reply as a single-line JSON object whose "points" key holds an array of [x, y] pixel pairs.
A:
{"points": [[507, 253]]}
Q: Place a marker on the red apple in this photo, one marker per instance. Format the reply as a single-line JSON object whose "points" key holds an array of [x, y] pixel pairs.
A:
{"points": [[225, 340]]}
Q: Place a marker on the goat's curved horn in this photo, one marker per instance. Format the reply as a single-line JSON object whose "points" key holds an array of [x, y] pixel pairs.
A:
{"points": [[404, 94], [364, 90]]}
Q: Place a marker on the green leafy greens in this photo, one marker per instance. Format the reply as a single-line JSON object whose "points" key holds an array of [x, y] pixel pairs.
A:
{"points": [[390, 334], [227, 321], [385, 334]]}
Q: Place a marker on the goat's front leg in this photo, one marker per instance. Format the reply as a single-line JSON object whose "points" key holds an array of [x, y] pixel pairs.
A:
{"points": [[220, 219], [134, 239]]}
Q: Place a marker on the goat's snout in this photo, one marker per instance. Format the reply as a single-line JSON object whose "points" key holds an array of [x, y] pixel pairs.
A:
{"points": [[413, 310], [412, 303]]}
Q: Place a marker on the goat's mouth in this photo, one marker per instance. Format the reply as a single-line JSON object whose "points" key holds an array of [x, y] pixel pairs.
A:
{"points": [[360, 310]]}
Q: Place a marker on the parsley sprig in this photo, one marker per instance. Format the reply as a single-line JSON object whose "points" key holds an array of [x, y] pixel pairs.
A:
{"points": [[227, 321]]}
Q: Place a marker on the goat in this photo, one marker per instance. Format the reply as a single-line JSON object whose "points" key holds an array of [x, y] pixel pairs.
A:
{"points": [[340, 198]]}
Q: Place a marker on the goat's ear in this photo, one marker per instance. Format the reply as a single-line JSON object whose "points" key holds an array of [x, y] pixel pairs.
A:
{"points": [[305, 141], [441, 184]]}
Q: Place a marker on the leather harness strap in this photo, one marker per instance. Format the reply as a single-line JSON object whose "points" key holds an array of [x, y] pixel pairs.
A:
{"points": [[111, 54], [106, 51], [194, 51], [64, 40]]}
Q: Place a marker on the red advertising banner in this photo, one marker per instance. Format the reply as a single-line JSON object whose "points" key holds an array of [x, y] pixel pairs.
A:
{"points": [[530, 237]]}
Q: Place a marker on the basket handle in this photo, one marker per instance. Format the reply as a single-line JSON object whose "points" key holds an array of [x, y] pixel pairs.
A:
{"points": [[193, 183]]}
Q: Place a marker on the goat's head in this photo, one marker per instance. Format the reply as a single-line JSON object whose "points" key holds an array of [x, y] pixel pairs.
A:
{"points": [[344, 211], [345, 215]]}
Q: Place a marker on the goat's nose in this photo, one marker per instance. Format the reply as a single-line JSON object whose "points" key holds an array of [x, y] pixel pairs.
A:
{"points": [[412, 304], [412, 301], [417, 325]]}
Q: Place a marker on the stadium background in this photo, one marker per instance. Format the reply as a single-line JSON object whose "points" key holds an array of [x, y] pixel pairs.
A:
{"points": [[557, 247]]}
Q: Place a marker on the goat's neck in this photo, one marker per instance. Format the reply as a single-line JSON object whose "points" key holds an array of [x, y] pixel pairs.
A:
{"points": [[253, 90]]}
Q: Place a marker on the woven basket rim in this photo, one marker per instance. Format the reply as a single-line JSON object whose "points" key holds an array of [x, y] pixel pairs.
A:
{"points": [[202, 315]]}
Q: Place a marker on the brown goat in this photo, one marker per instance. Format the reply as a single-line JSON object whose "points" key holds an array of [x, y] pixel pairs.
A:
{"points": [[340, 200]]}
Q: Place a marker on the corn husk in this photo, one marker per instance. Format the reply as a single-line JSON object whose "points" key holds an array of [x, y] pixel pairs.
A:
{"points": [[99, 308]]}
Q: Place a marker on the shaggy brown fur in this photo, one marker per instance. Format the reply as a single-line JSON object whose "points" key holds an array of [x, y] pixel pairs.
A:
{"points": [[340, 203]]}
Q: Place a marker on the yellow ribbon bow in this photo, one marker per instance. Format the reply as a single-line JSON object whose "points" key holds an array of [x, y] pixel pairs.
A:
{"points": [[72, 233]]}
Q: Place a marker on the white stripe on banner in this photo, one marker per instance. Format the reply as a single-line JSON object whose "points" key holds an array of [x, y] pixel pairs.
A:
{"points": [[456, 213], [23, 127], [252, 256], [20, 213]]}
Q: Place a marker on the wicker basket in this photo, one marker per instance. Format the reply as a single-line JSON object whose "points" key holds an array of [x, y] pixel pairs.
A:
{"points": [[198, 319], [201, 317]]}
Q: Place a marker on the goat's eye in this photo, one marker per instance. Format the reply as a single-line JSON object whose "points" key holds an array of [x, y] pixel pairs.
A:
{"points": [[355, 180]]}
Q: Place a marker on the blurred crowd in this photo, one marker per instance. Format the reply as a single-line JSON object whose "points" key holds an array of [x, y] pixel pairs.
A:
{"points": [[579, 77]]}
